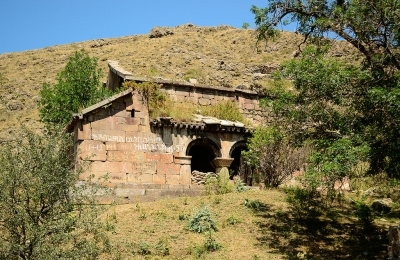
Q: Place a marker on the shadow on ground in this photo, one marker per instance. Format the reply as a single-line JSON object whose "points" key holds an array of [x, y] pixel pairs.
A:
{"points": [[330, 236]]}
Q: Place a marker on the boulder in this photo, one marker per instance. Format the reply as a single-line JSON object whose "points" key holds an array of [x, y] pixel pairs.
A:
{"points": [[382, 205], [158, 32]]}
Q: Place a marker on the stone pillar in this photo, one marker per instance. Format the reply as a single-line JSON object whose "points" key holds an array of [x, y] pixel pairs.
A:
{"points": [[221, 164], [185, 171]]}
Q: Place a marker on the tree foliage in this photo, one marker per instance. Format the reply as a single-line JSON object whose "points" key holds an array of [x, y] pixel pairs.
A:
{"points": [[273, 158], [77, 87], [351, 112], [43, 213]]}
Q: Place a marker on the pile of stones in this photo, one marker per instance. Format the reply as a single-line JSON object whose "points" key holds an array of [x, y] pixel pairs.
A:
{"points": [[200, 178]]}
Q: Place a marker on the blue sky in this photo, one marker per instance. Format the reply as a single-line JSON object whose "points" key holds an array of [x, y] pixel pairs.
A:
{"points": [[28, 24]]}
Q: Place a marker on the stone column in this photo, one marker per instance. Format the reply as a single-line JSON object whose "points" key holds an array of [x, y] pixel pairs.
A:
{"points": [[185, 172], [222, 164]]}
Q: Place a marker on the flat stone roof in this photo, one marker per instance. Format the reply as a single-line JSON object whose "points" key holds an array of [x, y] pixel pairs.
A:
{"points": [[200, 122], [128, 76]]}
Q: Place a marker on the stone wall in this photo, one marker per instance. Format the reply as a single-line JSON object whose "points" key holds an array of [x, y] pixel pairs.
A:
{"points": [[249, 101], [116, 137]]}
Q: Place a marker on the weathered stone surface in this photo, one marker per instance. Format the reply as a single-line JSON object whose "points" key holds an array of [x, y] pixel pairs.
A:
{"points": [[200, 178], [84, 132], [92, 150], [168, 168], [185, 175], [182, 159], [394, 242], [144, 128], [145, 178], [159, 157], [108, 135], [204, 101], [144, 167], [172, 179], [121, 192], [117, 177], [158, 32], [111, 167], [159, 178]]}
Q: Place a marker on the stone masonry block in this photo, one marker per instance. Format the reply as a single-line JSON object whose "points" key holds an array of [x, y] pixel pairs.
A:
{"points": [[140, 114], [159, 157], [92, 150], [121, 113], [172, 179], [111, 167], [108, 135], [118, 105], [84, 132], [144, 128], [121, 156], [120, 192], [193, 100], [144, 167], [168, 168], [204, 101], [249, 106], [132, 120], [182, 159], [130, 128], [180, 99], [117, 177], [145, 178], [186, 176], [159, 178]]}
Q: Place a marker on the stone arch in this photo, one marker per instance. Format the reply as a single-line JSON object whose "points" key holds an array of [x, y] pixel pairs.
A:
{"points": [[237, 164], [203, 152]]}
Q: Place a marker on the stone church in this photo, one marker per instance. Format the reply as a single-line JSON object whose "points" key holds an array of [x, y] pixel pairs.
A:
{"points": [[148, 158]]}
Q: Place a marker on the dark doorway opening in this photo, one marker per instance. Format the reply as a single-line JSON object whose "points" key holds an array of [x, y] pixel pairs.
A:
{"points": [[203, 152], [238, 166]]}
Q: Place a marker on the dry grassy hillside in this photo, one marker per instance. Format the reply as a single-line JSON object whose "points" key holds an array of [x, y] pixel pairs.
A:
{"points": [[219, 56]]}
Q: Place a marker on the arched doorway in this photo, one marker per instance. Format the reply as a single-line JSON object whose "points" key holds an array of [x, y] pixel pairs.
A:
{"points": [[203, 152], [238, 167]]}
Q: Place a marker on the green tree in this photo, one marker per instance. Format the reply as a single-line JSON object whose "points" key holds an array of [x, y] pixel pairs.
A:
{"points": [[345, 107], [78, 86], [44, 214]]}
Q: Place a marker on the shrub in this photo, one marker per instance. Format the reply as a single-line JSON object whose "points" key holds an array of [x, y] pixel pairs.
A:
{"points": [[252, 204], [239, 185], [305, 202], [202, 221], [43, 213], [220, 184], [150, 91], [273, 157], [211, 244], [195, 74], [78, 86]]}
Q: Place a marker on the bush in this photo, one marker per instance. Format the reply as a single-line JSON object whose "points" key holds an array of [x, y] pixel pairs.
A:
{"points": [[78, 86], [273, 157], [43, 213], [305, 203], [202, 221], [211, 244], [220, 184], [239, 185]]}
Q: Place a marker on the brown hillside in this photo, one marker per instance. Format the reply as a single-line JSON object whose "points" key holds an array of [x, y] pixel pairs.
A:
{"points": [[218, 56]]}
